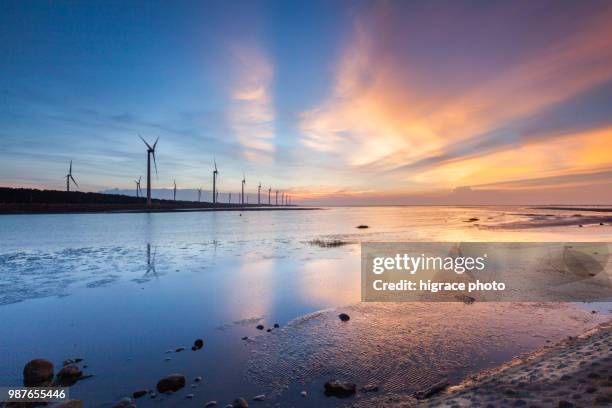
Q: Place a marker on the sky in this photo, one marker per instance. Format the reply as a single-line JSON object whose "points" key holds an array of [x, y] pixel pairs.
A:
{"points": [[333, 102]]}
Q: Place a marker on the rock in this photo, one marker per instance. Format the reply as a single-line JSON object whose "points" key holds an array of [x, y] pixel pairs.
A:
{"points": [[269, 330], [167, 358], [303, 393], [139, 393], [259, 327], [340, 388], [197, 379], [362, 226], [260, 397], [344, 317], [178, 350], [240, 403], [68, 362], [431, 391], [276, 325], [580, 225], [198, 344], [125, 403], [69, 375], [70, 404], [210, 404], [189, 396], [78, 360], [245, 338], [369, 388], [172, 383], [153, 395], [38, 372]]}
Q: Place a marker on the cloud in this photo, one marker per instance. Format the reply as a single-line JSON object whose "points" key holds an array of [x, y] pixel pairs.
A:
{"points": [[387, 115], [251, 114]]}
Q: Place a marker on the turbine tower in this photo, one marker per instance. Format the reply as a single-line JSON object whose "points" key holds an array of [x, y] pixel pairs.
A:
{"points": [[269, 192], [138, 189], [174, 191], [150, 152], [259, 194], [69, 177], [199, 194], [276, 200], [215, 174], [243, 183], [229, 200]]}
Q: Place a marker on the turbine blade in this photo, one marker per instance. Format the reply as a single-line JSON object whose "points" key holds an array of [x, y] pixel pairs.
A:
{"points": [[155, 144], [155, 163], [74, 181], [145, 142], [70, 170]]}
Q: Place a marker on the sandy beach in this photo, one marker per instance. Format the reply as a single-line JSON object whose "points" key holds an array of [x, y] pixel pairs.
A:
{"points": [[575, 372]]}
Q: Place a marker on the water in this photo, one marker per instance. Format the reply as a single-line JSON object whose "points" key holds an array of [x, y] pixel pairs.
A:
{"points": [[121, 289]]}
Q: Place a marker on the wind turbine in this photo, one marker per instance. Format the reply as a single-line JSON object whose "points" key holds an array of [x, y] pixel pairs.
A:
{"points": [[243, 183], [269, 192], [276, 202], [150, 151], [174, 195], [138, 189], [215, 174], [69, 177], [199, 194], [229, 200], [259, 194]]}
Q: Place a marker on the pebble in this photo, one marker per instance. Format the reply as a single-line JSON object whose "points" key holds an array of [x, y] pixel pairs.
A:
{"points": [[259, 327], [178, 350], [189, 396], [210, 404], [344, 317], [340, 388], [173, 382], [197, 379], [303, 393], [139, 393], [260, 397]]}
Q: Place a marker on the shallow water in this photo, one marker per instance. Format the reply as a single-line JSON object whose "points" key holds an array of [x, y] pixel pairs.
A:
{"points": [[121, 289]]}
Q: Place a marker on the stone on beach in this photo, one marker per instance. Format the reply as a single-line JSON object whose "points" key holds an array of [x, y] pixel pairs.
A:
{"points": [[125, 403], [259, 327], [369, 388], [303, 393], [363, 226], [197, 379], [431, 391], [179, 349], [340, 388], [198, 344], [210, 404], [140, 393], [69, 375], [260, 397], [240, 403], [344, 317], [37, 372], [172, 383]]}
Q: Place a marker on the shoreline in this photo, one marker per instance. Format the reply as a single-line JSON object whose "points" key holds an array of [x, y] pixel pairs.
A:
{"points": [[573, 372], [151, 210]]}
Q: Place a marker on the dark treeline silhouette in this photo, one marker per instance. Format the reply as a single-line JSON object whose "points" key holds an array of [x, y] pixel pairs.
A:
{"points": [[26, 200]]}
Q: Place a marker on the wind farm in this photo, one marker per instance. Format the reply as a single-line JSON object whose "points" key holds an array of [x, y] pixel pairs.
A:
{"points": [[26, 200]]}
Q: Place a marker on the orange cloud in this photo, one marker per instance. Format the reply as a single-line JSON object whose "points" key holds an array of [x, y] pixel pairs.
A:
{"points": [[379, 117]]}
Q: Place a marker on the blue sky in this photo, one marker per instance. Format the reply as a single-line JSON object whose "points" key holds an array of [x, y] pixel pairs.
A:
{"points": [[335, 101]]}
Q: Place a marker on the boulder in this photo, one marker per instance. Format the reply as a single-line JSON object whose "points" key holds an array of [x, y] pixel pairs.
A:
{"points": [[340, 388], [38, 372], [171, 383], [344, 317], [198, 344]]}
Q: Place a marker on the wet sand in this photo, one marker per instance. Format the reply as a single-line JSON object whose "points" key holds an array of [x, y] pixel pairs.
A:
{"points": [[575, 372]]}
